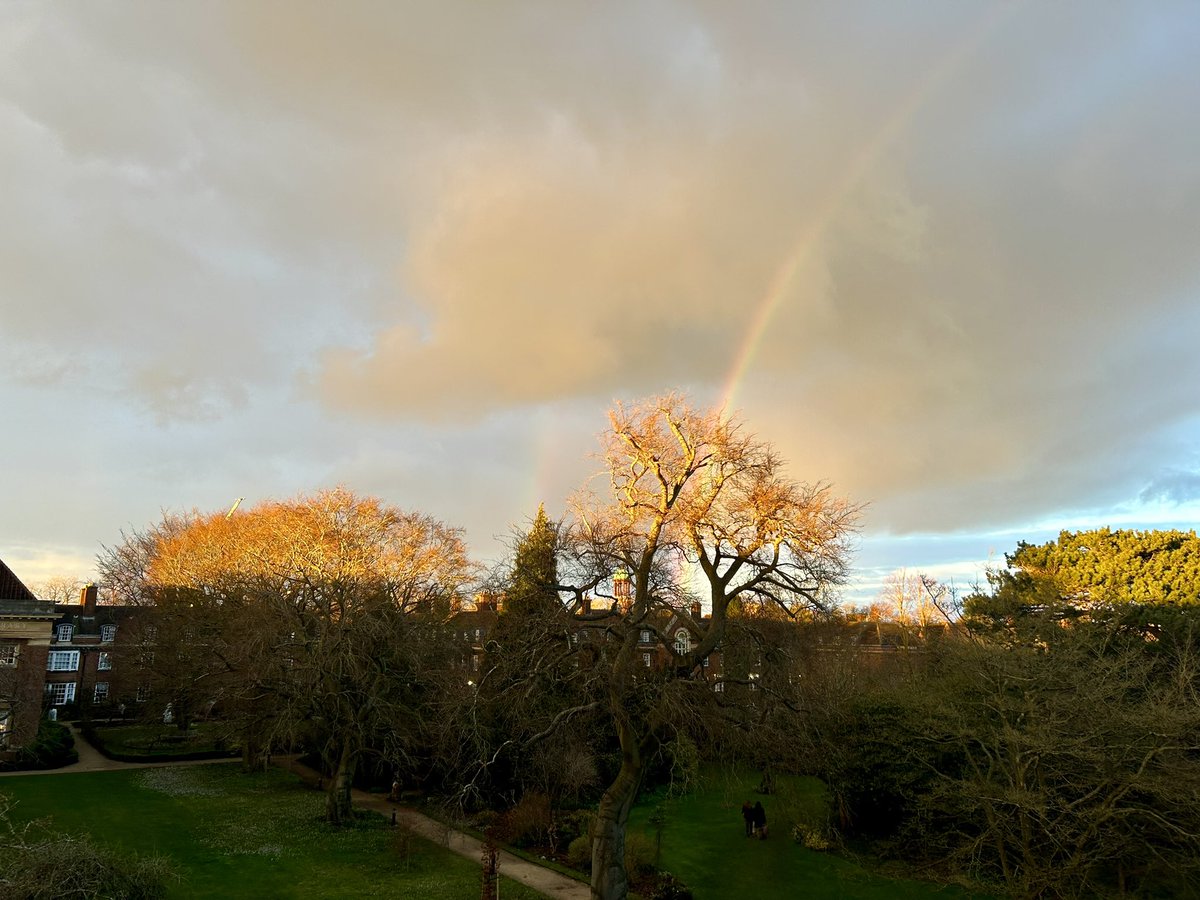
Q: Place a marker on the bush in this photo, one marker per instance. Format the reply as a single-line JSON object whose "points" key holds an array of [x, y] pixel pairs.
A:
{"points": [[52, 748], [528, 823], [639, 854], [811, 836], [37, 864], [574, 824], [667, 887], [579, 853]]}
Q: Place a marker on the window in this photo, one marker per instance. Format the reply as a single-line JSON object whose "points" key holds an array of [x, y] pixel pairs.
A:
{"points": [[478, 633], [683, 641], [475, 662], [60, 693], [108, 633], [719, 687], [645, 635], [101, 692], [143, 693], [64, 632], [150, 632], [104, 663], [705, 663], [646, 660], [63, 661], [5, 722], [8, 654]]}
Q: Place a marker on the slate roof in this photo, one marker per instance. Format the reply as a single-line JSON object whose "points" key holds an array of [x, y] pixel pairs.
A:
{"points": [[17, 600], [11, 587], [26, 609]]}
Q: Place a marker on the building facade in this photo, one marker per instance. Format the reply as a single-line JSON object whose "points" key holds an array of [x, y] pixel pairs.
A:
{"points": [[25, 629], [82, 664]]}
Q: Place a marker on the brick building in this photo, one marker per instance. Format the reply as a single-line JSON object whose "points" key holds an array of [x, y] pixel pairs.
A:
{"points": [[82, 666], [25, 627]]}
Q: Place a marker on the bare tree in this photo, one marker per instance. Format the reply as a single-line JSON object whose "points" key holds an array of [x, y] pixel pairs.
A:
{"points": [[60, 589], [697, 509], [318, 616]]}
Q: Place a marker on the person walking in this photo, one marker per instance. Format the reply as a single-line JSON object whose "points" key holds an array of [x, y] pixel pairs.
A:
{"points": [[760, 820], [748, 817]]}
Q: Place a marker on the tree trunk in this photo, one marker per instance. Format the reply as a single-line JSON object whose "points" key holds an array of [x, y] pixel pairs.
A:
{"points": [[609, 879], [254, 757], [337, 801]]}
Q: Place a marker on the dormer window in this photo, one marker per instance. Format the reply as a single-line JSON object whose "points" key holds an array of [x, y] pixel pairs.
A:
{"points": [[645, 635], [683, 642], [65, 632], [108, 633]]}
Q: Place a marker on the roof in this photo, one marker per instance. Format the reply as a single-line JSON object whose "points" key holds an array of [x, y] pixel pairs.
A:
{"points": [[26, 609], [17, 601], [11, 587]]}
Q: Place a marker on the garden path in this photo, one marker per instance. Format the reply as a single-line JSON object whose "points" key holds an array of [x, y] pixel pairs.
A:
{"points": [[541, 879], [92, 760]]}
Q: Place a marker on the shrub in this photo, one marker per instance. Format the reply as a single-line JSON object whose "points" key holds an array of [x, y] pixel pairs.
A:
{"points": [[38, 864], [528, 823], [574, 824], [579, 853], [667, 887], [639, 854], [811, 836], [52, 748]]}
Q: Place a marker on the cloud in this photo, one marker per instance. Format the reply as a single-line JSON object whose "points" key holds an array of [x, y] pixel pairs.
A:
{"points": [[330, 233], [1177, 488]]}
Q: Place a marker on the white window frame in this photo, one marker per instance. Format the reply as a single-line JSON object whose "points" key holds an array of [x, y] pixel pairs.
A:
{"points": [[646, 660], [64, 632], [645, 636], [108, 634], [104, 662], [98, 695], [143, 693], [8, 654], [60, 689], [683, 642], [62, 661]]}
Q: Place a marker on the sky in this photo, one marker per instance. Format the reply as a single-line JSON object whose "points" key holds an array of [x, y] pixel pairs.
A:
{"points": [[940, 254]]}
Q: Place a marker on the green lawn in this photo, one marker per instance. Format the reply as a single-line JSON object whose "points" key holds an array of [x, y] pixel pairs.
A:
{"points": [[234, 835], [704, 844], [164, 740]]}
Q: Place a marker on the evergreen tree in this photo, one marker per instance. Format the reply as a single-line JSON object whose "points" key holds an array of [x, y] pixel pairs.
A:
{"points": [[533, 582]]}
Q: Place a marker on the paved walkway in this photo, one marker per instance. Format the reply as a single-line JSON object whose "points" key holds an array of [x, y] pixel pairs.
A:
{"points": [[92, 760], [545, 881]]}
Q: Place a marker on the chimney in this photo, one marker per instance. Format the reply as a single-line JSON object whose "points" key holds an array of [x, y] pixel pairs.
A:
{"points": [[87, 599], [697, 612], [585, 605]]}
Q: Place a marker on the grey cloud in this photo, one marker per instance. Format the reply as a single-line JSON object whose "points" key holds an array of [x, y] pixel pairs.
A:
{"points": [[431, 213], [1173, 487]]}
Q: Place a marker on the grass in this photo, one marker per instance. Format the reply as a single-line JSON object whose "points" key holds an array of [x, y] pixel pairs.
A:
{"points": [[234, 835], [162, 740], [704, 844]]}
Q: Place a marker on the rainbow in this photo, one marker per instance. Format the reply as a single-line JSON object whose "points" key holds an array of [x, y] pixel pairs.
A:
{"points": [[835, 198]]}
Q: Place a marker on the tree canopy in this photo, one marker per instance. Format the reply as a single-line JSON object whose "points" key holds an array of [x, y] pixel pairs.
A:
{"points": [[1117, 566]]}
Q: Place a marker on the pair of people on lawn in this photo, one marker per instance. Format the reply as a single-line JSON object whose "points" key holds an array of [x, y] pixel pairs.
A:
{"points": [[755, 818]]}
